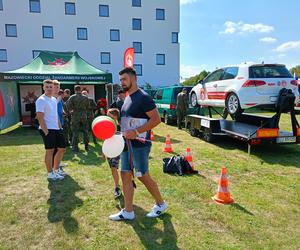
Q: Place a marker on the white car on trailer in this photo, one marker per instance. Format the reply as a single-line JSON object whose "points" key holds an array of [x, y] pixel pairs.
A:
{"points": [[244, 86]]}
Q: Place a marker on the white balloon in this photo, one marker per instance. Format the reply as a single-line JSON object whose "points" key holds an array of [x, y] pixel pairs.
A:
{"points": [[113, 146]]}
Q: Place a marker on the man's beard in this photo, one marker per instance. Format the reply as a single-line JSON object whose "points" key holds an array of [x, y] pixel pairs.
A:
{"points": [[126, 88]]}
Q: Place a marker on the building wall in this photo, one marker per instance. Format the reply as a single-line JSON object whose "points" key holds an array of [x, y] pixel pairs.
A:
{"points": [[156, 35]]}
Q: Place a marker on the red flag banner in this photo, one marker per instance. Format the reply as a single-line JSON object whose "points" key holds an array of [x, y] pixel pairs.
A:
{"points": [[129, 58]]}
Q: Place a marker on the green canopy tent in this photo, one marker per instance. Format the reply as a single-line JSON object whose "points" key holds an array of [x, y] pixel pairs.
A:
{"points": [[26, 83]]}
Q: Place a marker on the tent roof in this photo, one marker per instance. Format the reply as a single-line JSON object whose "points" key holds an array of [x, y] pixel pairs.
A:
{"points": [[63, 66]]}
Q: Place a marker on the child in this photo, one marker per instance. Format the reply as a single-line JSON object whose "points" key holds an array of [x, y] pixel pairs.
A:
{"points": [[114, 113]]}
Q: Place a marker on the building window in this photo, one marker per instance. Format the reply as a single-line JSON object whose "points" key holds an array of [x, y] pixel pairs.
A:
{"points": [[34, 6], [47, 32], [1, 5], [136, 24], [136, 3], [138, 69], [11, 30], [103, 10], [174, 37], [82, 34], [114, 35], [160, 59], [105, 58], [137, 47], [160, 14], [35, 53], [3, 55], [70, 8]]}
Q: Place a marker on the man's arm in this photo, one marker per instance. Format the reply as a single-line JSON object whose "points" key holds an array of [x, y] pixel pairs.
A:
{"points": [[40, 117], [153, 122]]}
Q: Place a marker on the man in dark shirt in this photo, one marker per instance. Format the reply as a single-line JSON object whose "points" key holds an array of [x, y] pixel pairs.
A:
{"points": [[138, 116]]}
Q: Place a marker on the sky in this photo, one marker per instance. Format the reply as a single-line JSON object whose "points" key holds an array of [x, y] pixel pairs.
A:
{"points": [[216, 33]]}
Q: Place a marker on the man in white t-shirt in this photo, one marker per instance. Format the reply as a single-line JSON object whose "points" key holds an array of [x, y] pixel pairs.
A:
{"points": [[50, 130]]}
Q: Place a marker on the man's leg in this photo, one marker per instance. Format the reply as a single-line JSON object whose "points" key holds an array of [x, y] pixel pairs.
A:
{"points": [[152, 187], [58, 157], [49, 159], [85, 134], [128, 190], [75, 135]]}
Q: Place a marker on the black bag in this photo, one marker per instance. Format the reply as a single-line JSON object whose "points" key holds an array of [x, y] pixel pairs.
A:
{"points": [[177, 165]]}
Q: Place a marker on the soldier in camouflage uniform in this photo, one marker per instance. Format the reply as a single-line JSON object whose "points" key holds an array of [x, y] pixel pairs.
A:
{"points": [[182, 106], [91, 114], [78, 106]]}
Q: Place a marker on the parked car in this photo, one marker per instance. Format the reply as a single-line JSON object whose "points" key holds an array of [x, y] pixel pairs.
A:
{"points": [[244, 86], [166, 99]]}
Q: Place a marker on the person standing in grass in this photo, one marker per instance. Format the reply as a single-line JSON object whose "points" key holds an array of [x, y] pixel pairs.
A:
{"points": [[138, 116], [50, 130], [114, 113]]}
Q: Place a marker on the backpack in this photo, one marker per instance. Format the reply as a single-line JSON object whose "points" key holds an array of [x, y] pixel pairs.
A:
{"points": [[177, 165]]}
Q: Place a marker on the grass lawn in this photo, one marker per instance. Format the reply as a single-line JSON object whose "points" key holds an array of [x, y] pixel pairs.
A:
{"points": [[73, 214]]}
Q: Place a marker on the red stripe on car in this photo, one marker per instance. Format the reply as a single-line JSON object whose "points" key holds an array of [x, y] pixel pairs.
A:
{"points": [[217, 95]]}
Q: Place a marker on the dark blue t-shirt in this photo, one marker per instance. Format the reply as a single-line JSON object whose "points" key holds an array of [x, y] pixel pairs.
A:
{"points": [[133, 114]]}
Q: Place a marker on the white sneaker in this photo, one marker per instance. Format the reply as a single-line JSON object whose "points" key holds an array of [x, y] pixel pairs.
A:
{"points": [[61, 172], [157, 210], [54, 176], [122, 215]]}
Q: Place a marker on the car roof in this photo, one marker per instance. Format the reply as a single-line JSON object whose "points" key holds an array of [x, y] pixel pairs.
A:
{"points": [[250, 64]]}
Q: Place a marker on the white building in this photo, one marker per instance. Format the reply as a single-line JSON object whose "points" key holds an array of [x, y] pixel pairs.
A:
{"points": [[100, 30]]}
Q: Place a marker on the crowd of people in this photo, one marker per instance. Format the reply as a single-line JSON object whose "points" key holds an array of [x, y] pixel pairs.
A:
{"points": [[62, 117]]}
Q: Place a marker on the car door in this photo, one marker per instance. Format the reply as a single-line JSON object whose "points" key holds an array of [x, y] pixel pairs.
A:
{"points": [[226, 82], [158, 101], [208, 92]]}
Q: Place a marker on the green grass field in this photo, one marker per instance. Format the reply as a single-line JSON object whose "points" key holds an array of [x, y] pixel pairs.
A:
{"points": [[73, 214]]}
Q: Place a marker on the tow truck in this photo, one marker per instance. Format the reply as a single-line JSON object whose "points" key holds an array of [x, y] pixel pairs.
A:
{"points": [[251, 128]]}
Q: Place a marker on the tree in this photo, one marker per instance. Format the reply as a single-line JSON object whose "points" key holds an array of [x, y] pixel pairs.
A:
{"points": [[147, 85], [194, 79], [295, 70]]}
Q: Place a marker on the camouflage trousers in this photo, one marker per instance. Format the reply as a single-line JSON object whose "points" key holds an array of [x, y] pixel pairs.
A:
{"points": [[77, 126]]}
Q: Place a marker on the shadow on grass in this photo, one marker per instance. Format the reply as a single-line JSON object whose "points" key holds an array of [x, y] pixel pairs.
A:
{"points": [[63, 201], [150, 236], [91, 157], [285, 155], [241, 208], [21, 136]]}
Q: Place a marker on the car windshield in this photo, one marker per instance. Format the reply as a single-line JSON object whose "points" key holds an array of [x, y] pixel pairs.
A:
{"points": [[269, 71]]}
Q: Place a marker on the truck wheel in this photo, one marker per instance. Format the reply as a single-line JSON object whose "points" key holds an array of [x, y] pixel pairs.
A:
{"points": [[207, 135]]}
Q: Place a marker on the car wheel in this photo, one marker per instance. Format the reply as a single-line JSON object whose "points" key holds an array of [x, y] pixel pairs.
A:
{"points": [[233, 104], [194, 101]]}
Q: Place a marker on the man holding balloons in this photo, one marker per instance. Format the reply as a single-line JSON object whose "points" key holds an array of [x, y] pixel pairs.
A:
{"points": [[138, 116]]}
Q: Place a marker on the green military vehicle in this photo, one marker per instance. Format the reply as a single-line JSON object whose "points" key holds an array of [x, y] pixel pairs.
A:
{"points": [[166, 98]]}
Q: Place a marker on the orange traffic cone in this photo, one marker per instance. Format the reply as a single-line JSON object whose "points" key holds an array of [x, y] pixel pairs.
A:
{"points": [[189, 157], [223, 195], [152, 136], [168, 146]]}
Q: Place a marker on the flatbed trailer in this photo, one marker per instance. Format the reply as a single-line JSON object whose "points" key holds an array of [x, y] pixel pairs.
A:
{"points": [[250, 128]]}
